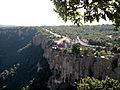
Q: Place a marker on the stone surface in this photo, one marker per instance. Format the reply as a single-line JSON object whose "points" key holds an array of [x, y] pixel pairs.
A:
{"points": [[67, 68]]}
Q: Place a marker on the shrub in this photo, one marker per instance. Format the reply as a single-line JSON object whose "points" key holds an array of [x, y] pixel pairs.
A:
{"points": [[95, 84], [76, 48]]}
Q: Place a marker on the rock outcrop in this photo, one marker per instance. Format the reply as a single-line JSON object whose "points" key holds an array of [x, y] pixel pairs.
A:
{"points": [[33, 51], [19, 60], [68, 68]]}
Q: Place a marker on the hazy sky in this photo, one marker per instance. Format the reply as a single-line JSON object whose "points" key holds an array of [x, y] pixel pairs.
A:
{"points": [[29, 13]]}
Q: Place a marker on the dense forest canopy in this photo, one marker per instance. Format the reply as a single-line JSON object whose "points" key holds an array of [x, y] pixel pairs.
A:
{"points": [[92, 10]]}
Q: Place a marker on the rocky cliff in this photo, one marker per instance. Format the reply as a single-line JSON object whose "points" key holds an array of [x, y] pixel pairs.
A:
{"points": [[19, 60], [44, 68], [67, 68]]}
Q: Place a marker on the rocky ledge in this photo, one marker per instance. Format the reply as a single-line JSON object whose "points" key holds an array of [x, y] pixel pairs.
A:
{"points": [[67, 68]]}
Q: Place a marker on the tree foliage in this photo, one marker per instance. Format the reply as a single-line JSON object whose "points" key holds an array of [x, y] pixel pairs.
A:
{"points": [[93, 10], [76, 48], [95, 84]]}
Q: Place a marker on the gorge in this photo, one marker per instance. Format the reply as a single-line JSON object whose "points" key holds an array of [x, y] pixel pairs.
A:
{"points": [[28, 62]]}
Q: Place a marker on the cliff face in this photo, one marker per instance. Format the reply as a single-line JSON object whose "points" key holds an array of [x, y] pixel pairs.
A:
{"points": [[67, 68], [32, 52], [11, 40], [19, 60]]}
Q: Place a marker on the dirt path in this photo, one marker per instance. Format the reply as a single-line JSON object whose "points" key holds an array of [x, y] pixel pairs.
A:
{"points": [[62, 38], [68, 39]]}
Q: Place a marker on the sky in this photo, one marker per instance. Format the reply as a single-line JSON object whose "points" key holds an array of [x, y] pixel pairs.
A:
{"points": [[31, 13]]}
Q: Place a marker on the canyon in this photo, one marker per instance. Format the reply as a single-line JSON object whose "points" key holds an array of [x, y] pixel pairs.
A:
{"points": [[43, 68]]}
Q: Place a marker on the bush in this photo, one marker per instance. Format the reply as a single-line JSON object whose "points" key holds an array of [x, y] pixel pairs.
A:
{"points": [[76, 48], [95, 84], [97, 54]]}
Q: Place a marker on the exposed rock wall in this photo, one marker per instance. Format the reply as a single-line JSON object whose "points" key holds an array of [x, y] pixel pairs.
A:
{"points": [[67, 68], [17, 48]]}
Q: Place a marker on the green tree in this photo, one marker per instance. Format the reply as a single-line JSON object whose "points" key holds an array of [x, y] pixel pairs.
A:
{"points": [[88, 10], [76, 48], [95, 84]]}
